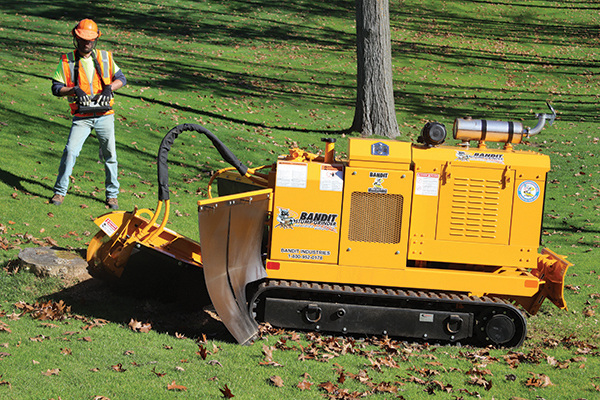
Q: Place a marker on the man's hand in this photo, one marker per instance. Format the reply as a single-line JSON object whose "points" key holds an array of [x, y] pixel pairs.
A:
{"points": [[82, 97], [105, 96]]}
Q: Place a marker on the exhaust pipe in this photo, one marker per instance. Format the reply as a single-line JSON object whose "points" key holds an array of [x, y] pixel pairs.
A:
{"points": [[499, 131]]}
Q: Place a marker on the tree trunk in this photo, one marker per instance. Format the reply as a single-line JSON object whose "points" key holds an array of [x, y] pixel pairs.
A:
{"points": [[375, 113]]}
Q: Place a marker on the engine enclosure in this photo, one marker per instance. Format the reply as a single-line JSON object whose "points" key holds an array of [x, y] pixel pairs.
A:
{"points": [[402, 215]]}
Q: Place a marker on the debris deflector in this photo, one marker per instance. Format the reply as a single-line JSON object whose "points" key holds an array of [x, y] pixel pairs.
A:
{"points": [[231, 232]]}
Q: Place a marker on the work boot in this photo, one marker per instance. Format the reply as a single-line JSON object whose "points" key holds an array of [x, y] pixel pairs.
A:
{"points": [[112, 203], [57, 199]]}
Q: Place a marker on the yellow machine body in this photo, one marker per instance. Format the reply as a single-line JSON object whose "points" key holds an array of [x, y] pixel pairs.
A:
{"points": [[411, 240], [400, 215]]}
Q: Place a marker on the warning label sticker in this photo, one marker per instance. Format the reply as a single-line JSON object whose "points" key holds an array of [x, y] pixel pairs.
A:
{"points": [[332, 178], [427, 184], [292, 175], [108, 227]]}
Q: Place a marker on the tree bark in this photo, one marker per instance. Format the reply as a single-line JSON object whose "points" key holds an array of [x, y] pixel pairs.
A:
{"points": [[375, 113]]}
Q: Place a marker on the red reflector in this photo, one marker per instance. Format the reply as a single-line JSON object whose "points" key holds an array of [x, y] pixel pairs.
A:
{"points": [[531, 283], [272, 265]]}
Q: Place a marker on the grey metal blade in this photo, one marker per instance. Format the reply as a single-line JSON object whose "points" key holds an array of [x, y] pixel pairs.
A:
{"points": [[230, 239]]}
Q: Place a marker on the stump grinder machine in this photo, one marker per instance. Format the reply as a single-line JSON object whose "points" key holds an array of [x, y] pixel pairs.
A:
{"points": [[412, 240]]}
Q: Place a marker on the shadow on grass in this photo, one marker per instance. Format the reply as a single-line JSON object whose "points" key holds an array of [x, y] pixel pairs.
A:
{"points": [[95, 298], [46, 191], [261, 23], [153, 288]]}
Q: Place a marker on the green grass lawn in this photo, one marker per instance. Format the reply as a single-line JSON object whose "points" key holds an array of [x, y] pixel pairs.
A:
{"points": [[265, 76]]}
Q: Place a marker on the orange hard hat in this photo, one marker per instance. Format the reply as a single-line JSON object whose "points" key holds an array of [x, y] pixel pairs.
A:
{"points": [[86, 29]]}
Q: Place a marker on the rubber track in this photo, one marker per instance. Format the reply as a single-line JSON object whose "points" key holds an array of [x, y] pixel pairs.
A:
{"points": [[477, 305]]}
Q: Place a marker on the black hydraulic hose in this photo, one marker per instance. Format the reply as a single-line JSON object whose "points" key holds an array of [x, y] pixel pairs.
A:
{"points": [[167, 142]]}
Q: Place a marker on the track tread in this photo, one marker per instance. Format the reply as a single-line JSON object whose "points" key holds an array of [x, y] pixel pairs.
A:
{"points": [[403, 295]]}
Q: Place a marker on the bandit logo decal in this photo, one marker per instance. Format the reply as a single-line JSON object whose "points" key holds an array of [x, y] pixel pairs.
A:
{"points": [[288, 219], [378, 178], [485, 157], [285, 219]]}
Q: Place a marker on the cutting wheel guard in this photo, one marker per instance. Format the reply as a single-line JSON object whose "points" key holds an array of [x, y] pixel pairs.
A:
{"points": [[231, 231]]}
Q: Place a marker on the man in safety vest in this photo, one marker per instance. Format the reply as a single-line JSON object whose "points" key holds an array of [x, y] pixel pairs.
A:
{"points": [[88, 77]]}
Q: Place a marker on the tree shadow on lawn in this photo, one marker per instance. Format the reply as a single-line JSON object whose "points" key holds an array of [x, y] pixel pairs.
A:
{"points": [[186, 313]]}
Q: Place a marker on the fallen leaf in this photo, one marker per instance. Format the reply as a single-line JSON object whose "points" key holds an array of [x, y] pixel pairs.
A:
{"points": [[173, 386], [4, 383], [268, 352], [538, 380], [276, 381], [226, 393], [589, 312], [476, 380], [328, 387], [137, 326], [202, 352], [51, 372], [304, 385], [66, 352], [118, 367], [386, 387], [4, 327]]}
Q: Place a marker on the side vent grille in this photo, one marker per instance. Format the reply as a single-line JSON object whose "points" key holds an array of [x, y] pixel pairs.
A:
{"points": [[475, 208], [375, 217]]}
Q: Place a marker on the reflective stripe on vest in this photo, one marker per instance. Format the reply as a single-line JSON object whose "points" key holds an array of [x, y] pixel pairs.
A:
{"points": [[105, 64]]}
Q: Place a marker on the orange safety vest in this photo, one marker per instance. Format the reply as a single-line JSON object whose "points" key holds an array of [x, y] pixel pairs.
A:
{"points": [[91, 88]]}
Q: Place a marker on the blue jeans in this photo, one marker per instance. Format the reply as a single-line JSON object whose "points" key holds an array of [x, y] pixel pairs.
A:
{"points": [[80, 130]]}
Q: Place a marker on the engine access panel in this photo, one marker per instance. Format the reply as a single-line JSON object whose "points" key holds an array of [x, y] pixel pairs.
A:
{"points": [[377, 202], [477, 206]]}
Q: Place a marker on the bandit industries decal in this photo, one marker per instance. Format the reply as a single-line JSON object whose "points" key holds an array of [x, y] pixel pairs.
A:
{"points": [[305, 254], [378, 178], [288, 219], [528, 191], [485, 157]]}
